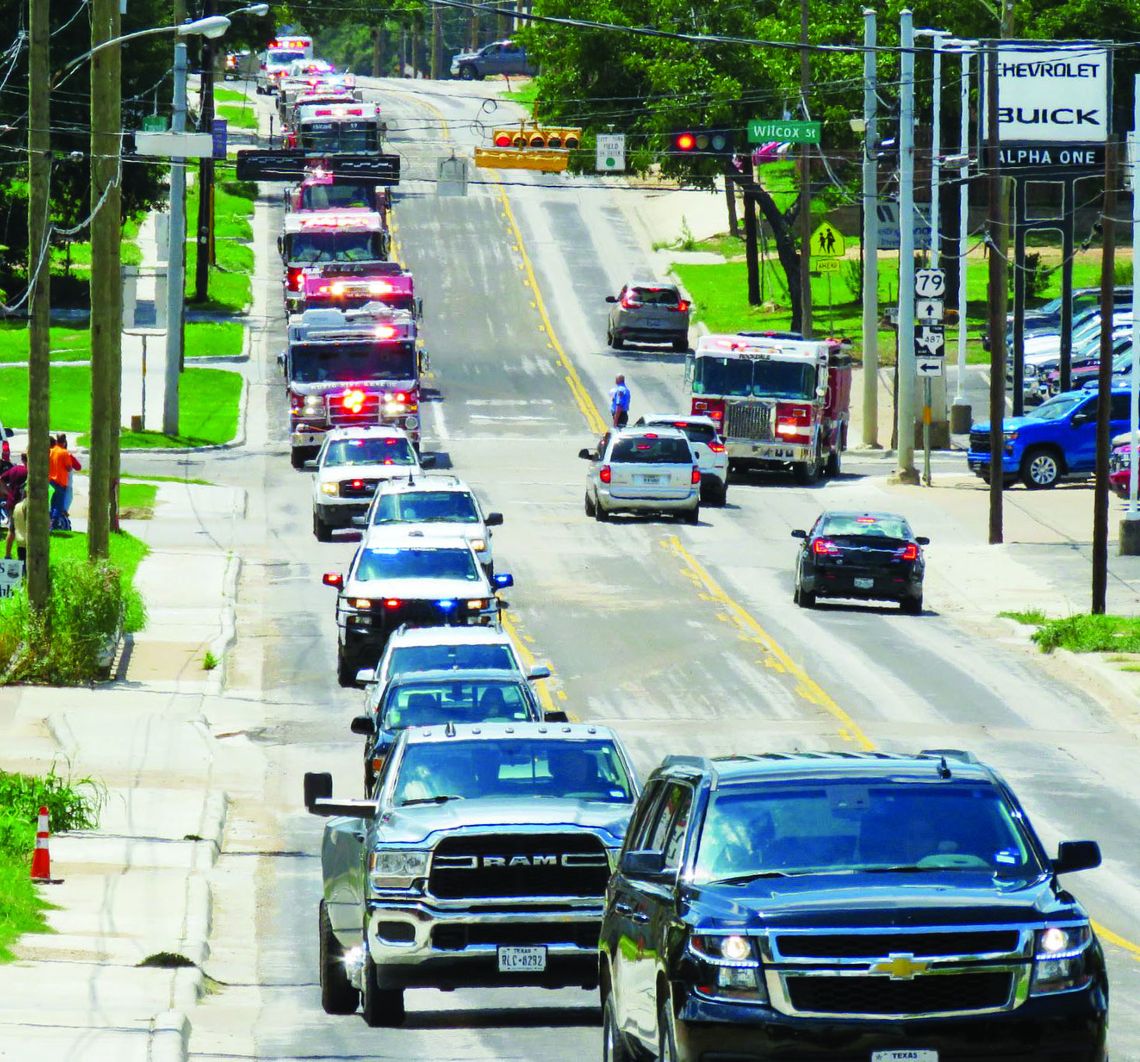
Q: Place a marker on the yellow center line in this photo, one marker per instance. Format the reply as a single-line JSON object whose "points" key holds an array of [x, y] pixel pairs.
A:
{"points": [[1117, 940], [541, 687]]}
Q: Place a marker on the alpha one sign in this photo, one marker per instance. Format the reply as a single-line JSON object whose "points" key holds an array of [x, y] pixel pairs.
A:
{"points": [[1053, 92]]}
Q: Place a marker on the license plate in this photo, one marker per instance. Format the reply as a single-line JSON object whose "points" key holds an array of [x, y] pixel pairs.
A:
{"points": [[904, 1056], [656, 324], [864, 584], [648, 480], [525, 960]]}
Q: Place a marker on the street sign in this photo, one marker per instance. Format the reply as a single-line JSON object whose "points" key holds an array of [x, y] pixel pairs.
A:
{"points": [[929, 283], [294, 165], [219, 133], [929, 366], [610, 153], [154, 123], [826, 265], [929, 311], [930, 339], [175, 145], [762, 131], [827, 242], [451, 177], [889, 234], [11, 574]]}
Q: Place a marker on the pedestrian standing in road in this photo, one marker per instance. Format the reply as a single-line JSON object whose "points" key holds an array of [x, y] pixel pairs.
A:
{"points": [[12, 485], [61, 463], [619, 402]]}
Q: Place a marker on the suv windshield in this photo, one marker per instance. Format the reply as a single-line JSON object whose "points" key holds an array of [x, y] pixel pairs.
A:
{"points": [[451, 657], [369, 451], [461, 701], [417, 564], [506, 768], [425, 507], [852, 828], [344, 362], [651, 450]]}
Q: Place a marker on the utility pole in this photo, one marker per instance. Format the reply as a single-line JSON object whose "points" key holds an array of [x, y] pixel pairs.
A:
{"points": [[205, 244], [960, 411], [1104, 386], [995, 238], [39, 301], [905, 370], [1130, 525], [436, 41], [176, 256], [106, 284], [805, 182], [870, 233]]}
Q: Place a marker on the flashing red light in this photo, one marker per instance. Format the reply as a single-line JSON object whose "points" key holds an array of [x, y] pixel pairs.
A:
{"points": [[696, 477], [824, 547], [401, 397], [605, 473], [503, 140], [651, 435], [357, 484], [293, 278], [385, 331], [391, 602], [909, 552], [866, 520], [353, 401], [685, 142]]}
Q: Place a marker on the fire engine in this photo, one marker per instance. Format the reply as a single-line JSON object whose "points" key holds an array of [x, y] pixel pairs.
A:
{"points": [[346, 368], [293, 96], [321, 190], [779, 402], [314, 239], [337, 128], [351, 287]]}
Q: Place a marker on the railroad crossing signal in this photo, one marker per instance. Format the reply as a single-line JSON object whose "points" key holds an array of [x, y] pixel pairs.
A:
{"points": [[827, 242], [530, 147]]}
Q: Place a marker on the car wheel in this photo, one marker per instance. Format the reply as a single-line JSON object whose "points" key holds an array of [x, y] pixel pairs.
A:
{"points": [[337, 994], [590, 508], [666, 1037], [912, 606], [807, 472], [1040, 469], [693, 516], [718, 496], [297, 458], [382, 1007], [600, 514], [345, 669], [616, 341], [321, 530], [834, 467], [806, 598], [680, 346], [614, 1046], [467, 72]]}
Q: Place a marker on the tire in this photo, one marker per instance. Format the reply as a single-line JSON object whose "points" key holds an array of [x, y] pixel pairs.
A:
{"points": [[467, 73], [617, 342], [321, 530], [1040, 468], [600, 514], [805, 598], [383, 1008], [297, 458], [912, 606], [693, 516], [833, 469], [590, 507], [345, 669], [807, 472], [666, 1038], [680, 346], [718, 495], [614, 1046], [337, 994]]}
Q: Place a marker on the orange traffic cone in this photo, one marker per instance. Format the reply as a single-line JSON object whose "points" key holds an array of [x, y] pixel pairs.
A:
{"points": [[41, 857]]}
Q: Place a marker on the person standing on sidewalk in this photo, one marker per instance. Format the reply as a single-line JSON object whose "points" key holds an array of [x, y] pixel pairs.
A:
{"points": [[12, 485], [61, 463], [619, 402]]}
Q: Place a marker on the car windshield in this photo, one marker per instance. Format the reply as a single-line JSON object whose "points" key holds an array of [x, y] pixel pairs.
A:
{"points": [[651, 450], [1056, 408], [339, 137], [841, 525], [510, 768], [744, 377], [425, 507], [399, 563], [850, 828], [369, 451], [330, 362], [337, 196], [283, 58], [484, 657], [432, 703], [304, 248]]}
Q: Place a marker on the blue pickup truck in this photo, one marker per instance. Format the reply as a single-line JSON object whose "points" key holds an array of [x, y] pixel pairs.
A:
{"points": [[1057, 440]]}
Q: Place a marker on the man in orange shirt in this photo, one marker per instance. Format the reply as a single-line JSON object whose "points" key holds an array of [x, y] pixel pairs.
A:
{"points": [[61, 463]]}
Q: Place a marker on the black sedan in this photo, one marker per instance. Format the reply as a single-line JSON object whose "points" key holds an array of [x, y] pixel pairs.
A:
{"points": [[872, 556]]}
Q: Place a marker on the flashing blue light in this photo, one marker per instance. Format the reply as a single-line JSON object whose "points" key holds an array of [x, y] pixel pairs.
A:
{"points": [[503, 580], [447, 604]]}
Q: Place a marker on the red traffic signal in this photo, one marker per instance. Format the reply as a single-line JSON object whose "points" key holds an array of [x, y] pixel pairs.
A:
{"points": [[684, 142], [701, 142], [502, 139]]}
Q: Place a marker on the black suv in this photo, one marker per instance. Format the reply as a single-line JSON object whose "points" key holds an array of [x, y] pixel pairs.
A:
{"points": [[846, 906]]}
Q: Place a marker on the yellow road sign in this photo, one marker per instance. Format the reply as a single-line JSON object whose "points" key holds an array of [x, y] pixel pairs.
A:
{"points": [[826, 265], [827, 242]]}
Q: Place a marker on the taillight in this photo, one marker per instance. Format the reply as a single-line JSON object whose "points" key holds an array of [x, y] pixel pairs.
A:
{"points": [[681, 306], [605, 473], [824, 547], [909, 552], [716, 447], [793, 421], [628, 302], [293, 278], [696, 476]]}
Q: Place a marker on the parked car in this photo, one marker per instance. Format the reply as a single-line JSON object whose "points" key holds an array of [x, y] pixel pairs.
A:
{"points": [[499, 57], [645, 311], [639, 470]]}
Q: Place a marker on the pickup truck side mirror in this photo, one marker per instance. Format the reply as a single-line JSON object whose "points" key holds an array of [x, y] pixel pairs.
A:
{"points": [[643, 864], [311, 465], [494, 520], [922, 540], [611, 298], [360, 521], [333, 579], [587, 455], [1081, 418], [1076, 855], [427, 460], [366, 675], [799, 534], [539, 672], [362, 724], [9, 432], [318, 786]]}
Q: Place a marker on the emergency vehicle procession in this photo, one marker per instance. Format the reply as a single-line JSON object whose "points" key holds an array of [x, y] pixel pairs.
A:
{"points": [[504, 553]]}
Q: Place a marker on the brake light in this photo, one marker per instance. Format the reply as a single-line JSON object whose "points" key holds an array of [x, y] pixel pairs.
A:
{"points": [[353, 401], [696, 476], [391, 602], [793, 421], [909, 552], [605, 474], [716, 447], [824, 547], [681, 306], [293, 278]]}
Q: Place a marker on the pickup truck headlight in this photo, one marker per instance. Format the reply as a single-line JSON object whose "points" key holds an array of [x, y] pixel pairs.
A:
{"points": [[477, 604], [330, 488], [728, 969], [397, 868], [1061, 959]]}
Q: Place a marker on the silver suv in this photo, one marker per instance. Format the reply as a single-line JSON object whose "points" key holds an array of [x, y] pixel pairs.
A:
{"points": [[648, 312], [643, 470]]}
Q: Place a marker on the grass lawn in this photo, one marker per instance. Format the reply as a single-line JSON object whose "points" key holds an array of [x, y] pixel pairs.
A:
{"points": [[524, 96], [239, 115], [225, 95], [136, 500], [204, 339], [230, 287], [126, 551], [214, 339], [21, 908], [1090, 634], [209, 405]]}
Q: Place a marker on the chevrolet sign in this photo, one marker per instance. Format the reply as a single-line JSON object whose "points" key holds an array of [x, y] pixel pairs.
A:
{"points": [[900, 967]]}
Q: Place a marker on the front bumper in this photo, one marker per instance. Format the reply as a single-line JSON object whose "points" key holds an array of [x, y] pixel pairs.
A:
{"points": [[979, 463], [416, 943], [1069, 1028], [775, 453], [369, 631], [624, 504], [338, 512]]}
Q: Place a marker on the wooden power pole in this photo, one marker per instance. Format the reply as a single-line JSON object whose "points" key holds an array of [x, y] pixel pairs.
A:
{"points": [[805, 183], [205, 241]]}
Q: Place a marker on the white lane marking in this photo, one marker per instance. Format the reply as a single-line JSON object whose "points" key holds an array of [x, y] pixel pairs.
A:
{"points": [[510, 418], [509, 402], [440, 424]]}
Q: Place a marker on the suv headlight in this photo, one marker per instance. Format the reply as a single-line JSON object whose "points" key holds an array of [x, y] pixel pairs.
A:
{"points": [[727, 968], [397, 868], [1061, 959]]}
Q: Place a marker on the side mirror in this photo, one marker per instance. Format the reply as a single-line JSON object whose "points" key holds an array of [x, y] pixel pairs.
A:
{"points": [[611, 298], [366, 675], [281, 246], [1076, 855], [311, 465], [318, 786], [555, 717], [494, 520], [427, 460], [799, 534], [333, 579], [362, 724], [922, 540], [1080, 418], [643, 864], [9, 432], [503, 580], [281, 359], [587, 455], [419, 307], [539, 672], [360, 521]]}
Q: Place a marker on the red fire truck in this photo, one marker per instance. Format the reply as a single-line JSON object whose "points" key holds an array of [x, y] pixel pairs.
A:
{"points": [[321, 190], [351, 287], [350, 368], [780, 403], [314, 239]]}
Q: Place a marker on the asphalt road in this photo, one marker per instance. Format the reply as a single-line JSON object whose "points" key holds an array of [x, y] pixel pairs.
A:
{"points": [[684, 638]]}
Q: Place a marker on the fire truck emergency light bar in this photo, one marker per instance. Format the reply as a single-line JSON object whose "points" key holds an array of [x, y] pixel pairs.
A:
{"points": [[292, 165]]}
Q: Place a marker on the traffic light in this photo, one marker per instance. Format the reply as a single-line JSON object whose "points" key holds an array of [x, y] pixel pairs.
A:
{"points": [[530, 147], [701, 142]]}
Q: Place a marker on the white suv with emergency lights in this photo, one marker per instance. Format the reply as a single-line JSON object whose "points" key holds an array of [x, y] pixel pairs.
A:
{"points": [[642, 470]]}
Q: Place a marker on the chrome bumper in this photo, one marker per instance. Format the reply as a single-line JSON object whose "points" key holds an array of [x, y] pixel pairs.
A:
{"points": [[752, 450]]}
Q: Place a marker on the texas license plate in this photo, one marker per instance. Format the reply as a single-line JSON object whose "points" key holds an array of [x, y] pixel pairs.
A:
{"points": [[525, 960], [648, 481], [864, 584], [904, 1056]]}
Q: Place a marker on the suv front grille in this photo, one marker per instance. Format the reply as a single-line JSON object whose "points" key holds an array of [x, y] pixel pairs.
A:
{"points": [[358, 488], [748, 420], [369, 412], [877, 945], [544, 864], [925, 995]]}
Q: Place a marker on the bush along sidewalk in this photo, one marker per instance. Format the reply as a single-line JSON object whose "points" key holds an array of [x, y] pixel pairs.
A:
{"points": [[72, 805]]}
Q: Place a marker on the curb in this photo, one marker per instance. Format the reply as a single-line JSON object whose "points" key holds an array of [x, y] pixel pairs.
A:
{"points": [[170, 1037], [237, 441], [215, 680]]}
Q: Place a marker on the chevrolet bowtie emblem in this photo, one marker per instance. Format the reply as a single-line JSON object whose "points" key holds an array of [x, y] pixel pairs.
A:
{"points": [[900, 967]]}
